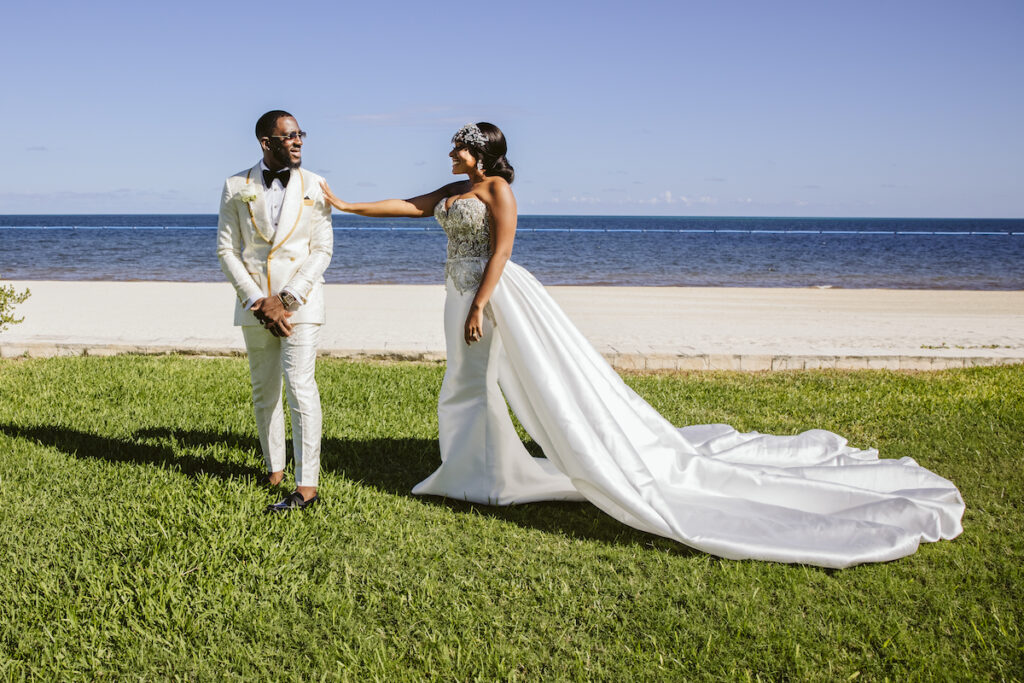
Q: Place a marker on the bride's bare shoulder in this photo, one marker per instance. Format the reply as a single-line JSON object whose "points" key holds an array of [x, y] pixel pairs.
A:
{"points": [[494, 181], [495, 187], [496, 192]]}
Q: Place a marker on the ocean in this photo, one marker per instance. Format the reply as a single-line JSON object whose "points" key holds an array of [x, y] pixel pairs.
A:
{"points": [[893, 253]]}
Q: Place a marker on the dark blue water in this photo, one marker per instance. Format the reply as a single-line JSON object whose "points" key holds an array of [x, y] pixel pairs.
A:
{"points": [[589, 250]]}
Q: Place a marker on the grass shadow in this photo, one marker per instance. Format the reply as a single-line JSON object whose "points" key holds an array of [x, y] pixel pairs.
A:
{"points": [[396, 465], [393, 466], [81, 444]]}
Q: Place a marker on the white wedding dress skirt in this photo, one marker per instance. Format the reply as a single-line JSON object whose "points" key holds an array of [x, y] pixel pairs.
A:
{"points": [[808, 498]]}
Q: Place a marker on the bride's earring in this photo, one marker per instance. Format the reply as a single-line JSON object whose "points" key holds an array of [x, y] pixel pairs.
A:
{"points": [[479, 165]]}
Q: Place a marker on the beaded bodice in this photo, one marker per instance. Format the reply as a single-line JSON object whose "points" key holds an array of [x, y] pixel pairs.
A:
{"points": [[469, 240]]}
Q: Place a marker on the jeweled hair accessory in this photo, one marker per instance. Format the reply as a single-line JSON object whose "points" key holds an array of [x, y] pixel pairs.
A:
{"points": [[471, 136]]}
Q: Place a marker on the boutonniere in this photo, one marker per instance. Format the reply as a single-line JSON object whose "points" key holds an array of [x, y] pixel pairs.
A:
{"points": [[248, 193]]}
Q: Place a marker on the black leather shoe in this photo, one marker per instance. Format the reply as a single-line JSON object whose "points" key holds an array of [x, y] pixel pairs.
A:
{"points": [[293, 501]]}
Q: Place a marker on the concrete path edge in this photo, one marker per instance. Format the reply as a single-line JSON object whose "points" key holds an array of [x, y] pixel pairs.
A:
{"points": [[620, 361]]}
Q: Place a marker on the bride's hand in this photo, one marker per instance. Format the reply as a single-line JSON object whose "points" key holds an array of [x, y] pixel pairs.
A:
{"points": [[331, 198], [474, 325]]}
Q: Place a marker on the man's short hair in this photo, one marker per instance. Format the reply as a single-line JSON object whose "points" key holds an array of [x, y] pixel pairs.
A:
{"points": [[266, 123]]}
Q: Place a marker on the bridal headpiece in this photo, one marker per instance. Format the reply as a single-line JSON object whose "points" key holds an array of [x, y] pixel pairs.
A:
{"points": [[471, 136]]}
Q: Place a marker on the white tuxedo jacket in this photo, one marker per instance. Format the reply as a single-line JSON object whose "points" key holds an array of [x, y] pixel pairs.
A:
{"points": [[259, 262]]}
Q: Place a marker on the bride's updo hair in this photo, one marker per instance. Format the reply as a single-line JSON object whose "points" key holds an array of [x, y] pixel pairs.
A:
{"points": [[487, 143]]}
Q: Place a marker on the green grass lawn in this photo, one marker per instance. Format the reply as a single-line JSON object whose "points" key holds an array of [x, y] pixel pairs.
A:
{"points": [[134, 544]]}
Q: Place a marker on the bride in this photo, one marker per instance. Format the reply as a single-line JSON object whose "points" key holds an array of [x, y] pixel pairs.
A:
{"points": [[808, 498]]}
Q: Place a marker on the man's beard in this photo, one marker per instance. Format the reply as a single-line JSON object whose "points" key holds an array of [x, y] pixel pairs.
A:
{"points": [[281, 156]]}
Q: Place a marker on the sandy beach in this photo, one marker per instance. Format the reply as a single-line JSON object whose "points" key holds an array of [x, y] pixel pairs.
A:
{"points": [[634, 327]]}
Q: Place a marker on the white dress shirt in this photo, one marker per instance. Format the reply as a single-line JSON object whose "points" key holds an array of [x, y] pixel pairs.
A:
{"points": [[273, 197]]}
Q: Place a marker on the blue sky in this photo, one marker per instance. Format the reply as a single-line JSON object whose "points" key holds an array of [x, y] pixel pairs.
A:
{"points": [[826, 108]]}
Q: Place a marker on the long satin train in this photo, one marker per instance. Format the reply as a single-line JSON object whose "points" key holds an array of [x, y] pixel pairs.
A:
{"points": [[808, 498]]}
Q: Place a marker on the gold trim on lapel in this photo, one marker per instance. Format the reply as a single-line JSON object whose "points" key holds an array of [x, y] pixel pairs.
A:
{"points": [[258, 216]]}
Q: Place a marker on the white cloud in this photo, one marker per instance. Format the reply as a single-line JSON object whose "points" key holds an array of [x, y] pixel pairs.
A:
{"points": [[667, 197]]}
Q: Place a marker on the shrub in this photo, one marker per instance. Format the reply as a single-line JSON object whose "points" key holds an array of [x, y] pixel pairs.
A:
{"points": [[9, 298]]}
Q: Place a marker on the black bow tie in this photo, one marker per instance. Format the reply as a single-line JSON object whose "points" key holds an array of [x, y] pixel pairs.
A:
{"points": [[282, 175]]}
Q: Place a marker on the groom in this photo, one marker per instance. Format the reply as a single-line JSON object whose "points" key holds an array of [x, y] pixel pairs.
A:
{"points": [[274, 241]]}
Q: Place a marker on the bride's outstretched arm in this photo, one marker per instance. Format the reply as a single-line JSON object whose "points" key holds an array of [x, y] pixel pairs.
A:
{"points": [[502, 205], [417, 207]]}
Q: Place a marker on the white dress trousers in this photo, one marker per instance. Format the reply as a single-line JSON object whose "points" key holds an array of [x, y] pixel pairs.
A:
{"points": [[295, 357]]}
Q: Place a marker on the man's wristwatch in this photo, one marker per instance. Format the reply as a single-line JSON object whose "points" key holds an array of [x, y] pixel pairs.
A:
{"points": [[289, 301]]}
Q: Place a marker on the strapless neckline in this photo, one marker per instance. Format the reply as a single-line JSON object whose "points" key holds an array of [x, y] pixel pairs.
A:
{"points": [[448, 207]]}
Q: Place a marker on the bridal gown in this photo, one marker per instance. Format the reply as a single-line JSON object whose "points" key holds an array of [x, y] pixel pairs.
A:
{"points": [[808, 498]]}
